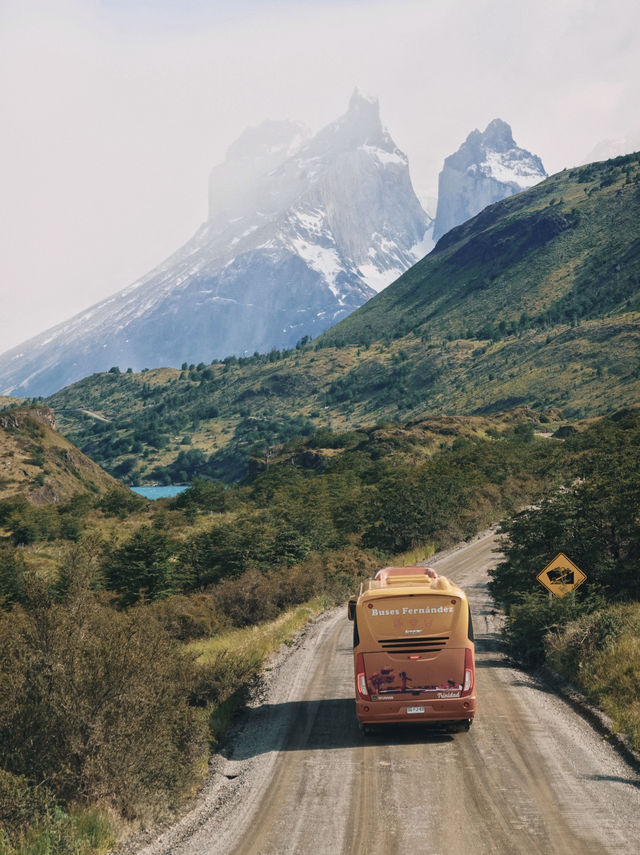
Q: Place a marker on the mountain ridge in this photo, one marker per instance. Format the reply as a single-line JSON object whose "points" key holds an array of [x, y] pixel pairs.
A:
{"points": [[293, 256], [534, 303]]}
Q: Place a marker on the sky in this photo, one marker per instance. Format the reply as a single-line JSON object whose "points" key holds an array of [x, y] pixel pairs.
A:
{"points": [[114, 111]]}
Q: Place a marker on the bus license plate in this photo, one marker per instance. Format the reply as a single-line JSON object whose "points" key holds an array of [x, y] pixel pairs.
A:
{"points": [[411, 710]]}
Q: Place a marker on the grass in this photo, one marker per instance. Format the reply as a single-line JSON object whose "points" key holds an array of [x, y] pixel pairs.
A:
{"points": [[83, 832], [414, 556], [231, 661], [261, 640], [600, 653]]}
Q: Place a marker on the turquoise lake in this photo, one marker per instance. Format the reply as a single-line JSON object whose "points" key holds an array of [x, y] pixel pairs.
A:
{"points": [[161, 492]]}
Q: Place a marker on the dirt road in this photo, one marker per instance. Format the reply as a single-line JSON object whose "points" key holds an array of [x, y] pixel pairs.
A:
{"points": [[530, 777]]}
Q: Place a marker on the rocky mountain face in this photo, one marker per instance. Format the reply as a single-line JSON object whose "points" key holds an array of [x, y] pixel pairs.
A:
{"points": [[486, 168], [301, 231]]}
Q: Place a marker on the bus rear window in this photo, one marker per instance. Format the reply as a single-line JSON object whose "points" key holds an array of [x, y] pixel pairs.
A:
{"points": [[411, 615]]}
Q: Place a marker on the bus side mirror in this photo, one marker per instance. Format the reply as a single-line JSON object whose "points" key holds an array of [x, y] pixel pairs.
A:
{"points": [[351, 608]]}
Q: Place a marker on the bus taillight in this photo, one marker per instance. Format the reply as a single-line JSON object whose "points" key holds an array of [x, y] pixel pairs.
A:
{"points": [[361, 680], [468, 672]]}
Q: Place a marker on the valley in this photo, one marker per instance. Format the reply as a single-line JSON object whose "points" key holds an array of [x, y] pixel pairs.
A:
{"points": [[267, 341], [298, 776], [497, 379], [533, 303]]}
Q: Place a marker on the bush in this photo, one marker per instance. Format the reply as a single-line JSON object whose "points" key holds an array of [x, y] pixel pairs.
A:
{"points": [[532, 618], [31, 823], [189, 617], [247, 599], [222, 678], [12, 568], [119, 502], [568, 647], [94, 701], [600, 653], [21, 804], [203, 495]]}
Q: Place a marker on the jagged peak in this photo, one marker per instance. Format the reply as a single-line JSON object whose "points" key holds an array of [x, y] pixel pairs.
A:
{"points": [[361, 101], [478, 146], [360, 125], [498, 136]]}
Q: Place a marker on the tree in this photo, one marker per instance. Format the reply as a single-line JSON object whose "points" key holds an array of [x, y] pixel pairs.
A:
{"points": [[143, 566]]}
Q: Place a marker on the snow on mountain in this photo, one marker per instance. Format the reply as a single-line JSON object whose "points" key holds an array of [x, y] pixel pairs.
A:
{"points": [[301, 231], [486, 168]]}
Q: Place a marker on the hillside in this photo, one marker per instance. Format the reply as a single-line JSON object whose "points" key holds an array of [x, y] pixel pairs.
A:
{"points": [[39, 463], [535, 302], [563, 252]]}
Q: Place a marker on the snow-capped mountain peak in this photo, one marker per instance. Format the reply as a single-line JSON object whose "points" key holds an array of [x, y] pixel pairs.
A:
{"points": [[301, 230], [487, 167]]}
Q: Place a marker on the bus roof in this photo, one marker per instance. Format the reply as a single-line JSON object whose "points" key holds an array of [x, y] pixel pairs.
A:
{"points": [[409, 580]]}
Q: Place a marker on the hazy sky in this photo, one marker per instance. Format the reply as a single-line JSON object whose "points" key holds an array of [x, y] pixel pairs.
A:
{"points": [[114, 111]]}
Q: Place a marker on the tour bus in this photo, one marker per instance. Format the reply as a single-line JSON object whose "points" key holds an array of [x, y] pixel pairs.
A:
{"points": [[413, 650]]}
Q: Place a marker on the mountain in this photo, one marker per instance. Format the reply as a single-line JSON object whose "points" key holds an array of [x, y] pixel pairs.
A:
{"points": [[607, 149], [533, 303], [301, 231], [39, 463], [565, 252], [486, 168]]}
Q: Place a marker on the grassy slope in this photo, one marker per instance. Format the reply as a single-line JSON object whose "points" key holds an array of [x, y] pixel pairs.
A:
{"points": [[39, 463], [606, 668], [533, 302], [538, 253]]}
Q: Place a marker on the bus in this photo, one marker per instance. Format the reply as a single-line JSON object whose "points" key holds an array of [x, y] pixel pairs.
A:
{"points": [[413, 650]]}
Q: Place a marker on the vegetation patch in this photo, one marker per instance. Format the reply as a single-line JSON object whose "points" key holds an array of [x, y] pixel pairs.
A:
{"points": [[591, 635], [600, 653]]}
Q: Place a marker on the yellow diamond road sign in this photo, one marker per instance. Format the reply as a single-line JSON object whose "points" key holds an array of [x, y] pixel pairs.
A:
{"points": [[561, 576]]}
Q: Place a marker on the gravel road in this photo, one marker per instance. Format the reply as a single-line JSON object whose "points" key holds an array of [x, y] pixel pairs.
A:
{"points": [[530, 777]]}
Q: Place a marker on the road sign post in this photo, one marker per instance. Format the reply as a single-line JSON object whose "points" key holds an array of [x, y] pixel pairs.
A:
{"points": [[561, 576]]}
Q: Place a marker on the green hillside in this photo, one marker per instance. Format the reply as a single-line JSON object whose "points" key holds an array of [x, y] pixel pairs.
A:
{"points": [[40, 465], [564, 252], [533, 303]]}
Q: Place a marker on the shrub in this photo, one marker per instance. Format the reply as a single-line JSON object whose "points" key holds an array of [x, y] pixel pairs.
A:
{"points": [[21, 804], [569, 647], [600, 653], [189, 617], [12, 568], [118, 502], [532, 618], [247, 599], [94, 701]]}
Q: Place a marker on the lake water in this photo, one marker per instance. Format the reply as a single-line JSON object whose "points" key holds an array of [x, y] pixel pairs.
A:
{"points": [[161, 492]]}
